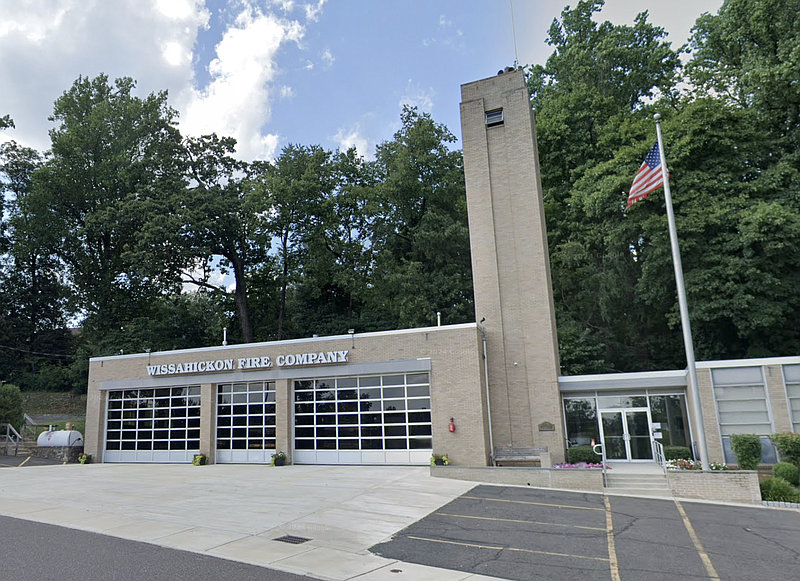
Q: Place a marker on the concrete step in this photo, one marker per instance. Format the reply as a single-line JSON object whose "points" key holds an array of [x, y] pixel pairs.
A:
{"points": [[659, 492]]}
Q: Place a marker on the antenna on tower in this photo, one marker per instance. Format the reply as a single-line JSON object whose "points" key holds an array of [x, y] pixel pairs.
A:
{"points": [[514, 33]]}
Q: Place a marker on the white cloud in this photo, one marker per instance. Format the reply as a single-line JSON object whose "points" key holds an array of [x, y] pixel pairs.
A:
{"points": [[45, 45], [328, 58], [287, 92], [313, 10], [419, 97], [444, 22], [236, 102], [347, 138]]}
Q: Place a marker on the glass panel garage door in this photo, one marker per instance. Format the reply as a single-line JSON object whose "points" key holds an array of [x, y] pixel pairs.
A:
{"points": [[363, 420], [246, 422], [153, 425]]}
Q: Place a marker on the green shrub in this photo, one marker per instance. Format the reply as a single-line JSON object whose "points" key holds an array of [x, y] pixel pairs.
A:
{"points": [[789, 472], [582, 454], [11, 406], [778, 490], [677, 453], [747, 448], [788, 445]]}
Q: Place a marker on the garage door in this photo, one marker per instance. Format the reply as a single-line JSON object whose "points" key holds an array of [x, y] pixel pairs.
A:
{"points": [[153, 425], [379, 419], [246, 422]]}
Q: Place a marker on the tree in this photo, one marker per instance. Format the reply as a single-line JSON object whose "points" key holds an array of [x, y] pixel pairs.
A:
{"points": [[11, 405], [421, 235], [114, 159], [215, 217]]}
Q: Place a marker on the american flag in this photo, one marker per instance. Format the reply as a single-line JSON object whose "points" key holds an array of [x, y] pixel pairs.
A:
{"points": [[648, 178]]}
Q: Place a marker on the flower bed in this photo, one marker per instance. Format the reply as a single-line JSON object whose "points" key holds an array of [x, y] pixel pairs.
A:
{"points": [[683, 464], [579, 465]]}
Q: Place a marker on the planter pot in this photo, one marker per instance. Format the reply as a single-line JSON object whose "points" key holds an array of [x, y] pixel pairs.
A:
{"points": [[439, 462], [278, 461]]}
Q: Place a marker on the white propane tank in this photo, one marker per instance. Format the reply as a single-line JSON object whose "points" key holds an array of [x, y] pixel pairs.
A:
{"points": [[60, 438]]}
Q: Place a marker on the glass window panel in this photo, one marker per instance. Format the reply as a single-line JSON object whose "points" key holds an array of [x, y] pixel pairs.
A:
{"points": [[420, 443], [160, 445], [223, 432], [239, 433], [115, 405], [348, 432], [326, 420], [325, 384], [304, 444], [394, 404], [256, 397], [239, 398], [754, 405], [255, 432], [177, 435], [343, 382], [115, 435], [736, 376], [239, 387], [129, 445], [326, 432], [739, 392], [225, 388], [161, 435], [323, 408], [114, 395], [348, 406], [622, 401], [112, 445], [304, 408], [130, 424], [304, 432], [255, 409], [371, 444], [325, 395], [744, 417], [255, 386], [222, 398], [394, 392], [396, 444], [366, 406], [239, 444], [304, 396], [369, 393], [326, 444], [760, 429], [412, 378], [347, 394], [304, 420], [193, 422], [419, 430], [193, 390], [394, 418], [192, 434], [303, 384], [114, 414], [193, 412], [419, 404], [178, 423], [223, 444], [348, 444], [419, 417], [239, 410], [369, 381], [793, 389], [393, 380], [115, 425], [394, 431], [372, 431], [348, 419], [418, 391], [270, 396], [370, 418], [223, 421], [269, 433]]}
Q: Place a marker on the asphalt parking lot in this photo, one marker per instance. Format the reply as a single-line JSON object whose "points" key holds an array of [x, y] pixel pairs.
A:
{"points": [[21, 461], [525, 534]]}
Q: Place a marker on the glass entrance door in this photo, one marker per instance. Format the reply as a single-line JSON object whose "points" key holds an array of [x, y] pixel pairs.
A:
{"points": [[626, 434]]}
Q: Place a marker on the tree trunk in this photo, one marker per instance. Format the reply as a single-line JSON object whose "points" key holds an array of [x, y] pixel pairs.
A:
{"points": [[240, 299]]}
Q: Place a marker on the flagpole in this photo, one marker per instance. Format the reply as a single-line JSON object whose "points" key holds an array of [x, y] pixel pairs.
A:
{"points": [[699, 428]]}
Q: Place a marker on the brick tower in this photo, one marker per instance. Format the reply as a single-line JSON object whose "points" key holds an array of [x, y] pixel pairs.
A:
{"points": [[510, 262]]}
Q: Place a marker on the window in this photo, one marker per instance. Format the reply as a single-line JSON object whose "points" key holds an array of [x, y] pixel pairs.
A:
{"points": [[390, 412], [791, 374], [741, 401], [246, 417], [494, 117], [154, 419]]}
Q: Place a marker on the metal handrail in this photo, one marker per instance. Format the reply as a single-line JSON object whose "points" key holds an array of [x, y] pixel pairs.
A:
{"points": [[602, 454], [11, 435], [658, 455]]}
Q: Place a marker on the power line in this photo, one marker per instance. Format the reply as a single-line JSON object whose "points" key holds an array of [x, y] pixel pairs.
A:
{"points": [[38, 352]]}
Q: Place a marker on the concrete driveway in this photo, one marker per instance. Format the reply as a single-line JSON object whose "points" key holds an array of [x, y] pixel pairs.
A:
{"points": [[236, 511]]}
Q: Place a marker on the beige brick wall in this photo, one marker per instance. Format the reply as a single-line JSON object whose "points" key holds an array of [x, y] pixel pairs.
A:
{"points": [[776, 394], [510, 263], [734, 486], [456, 375], [710, 422]]}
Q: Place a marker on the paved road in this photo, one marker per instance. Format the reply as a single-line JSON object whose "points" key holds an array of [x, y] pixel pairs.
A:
{"points": [[12, 461], [32, 551], [532, 535]]}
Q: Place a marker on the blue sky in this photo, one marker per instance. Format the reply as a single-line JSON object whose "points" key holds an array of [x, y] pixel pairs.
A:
{"points": [[273, 72]]}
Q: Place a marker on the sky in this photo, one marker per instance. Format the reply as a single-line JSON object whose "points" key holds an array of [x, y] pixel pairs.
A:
{"points": [[273, 72]]}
